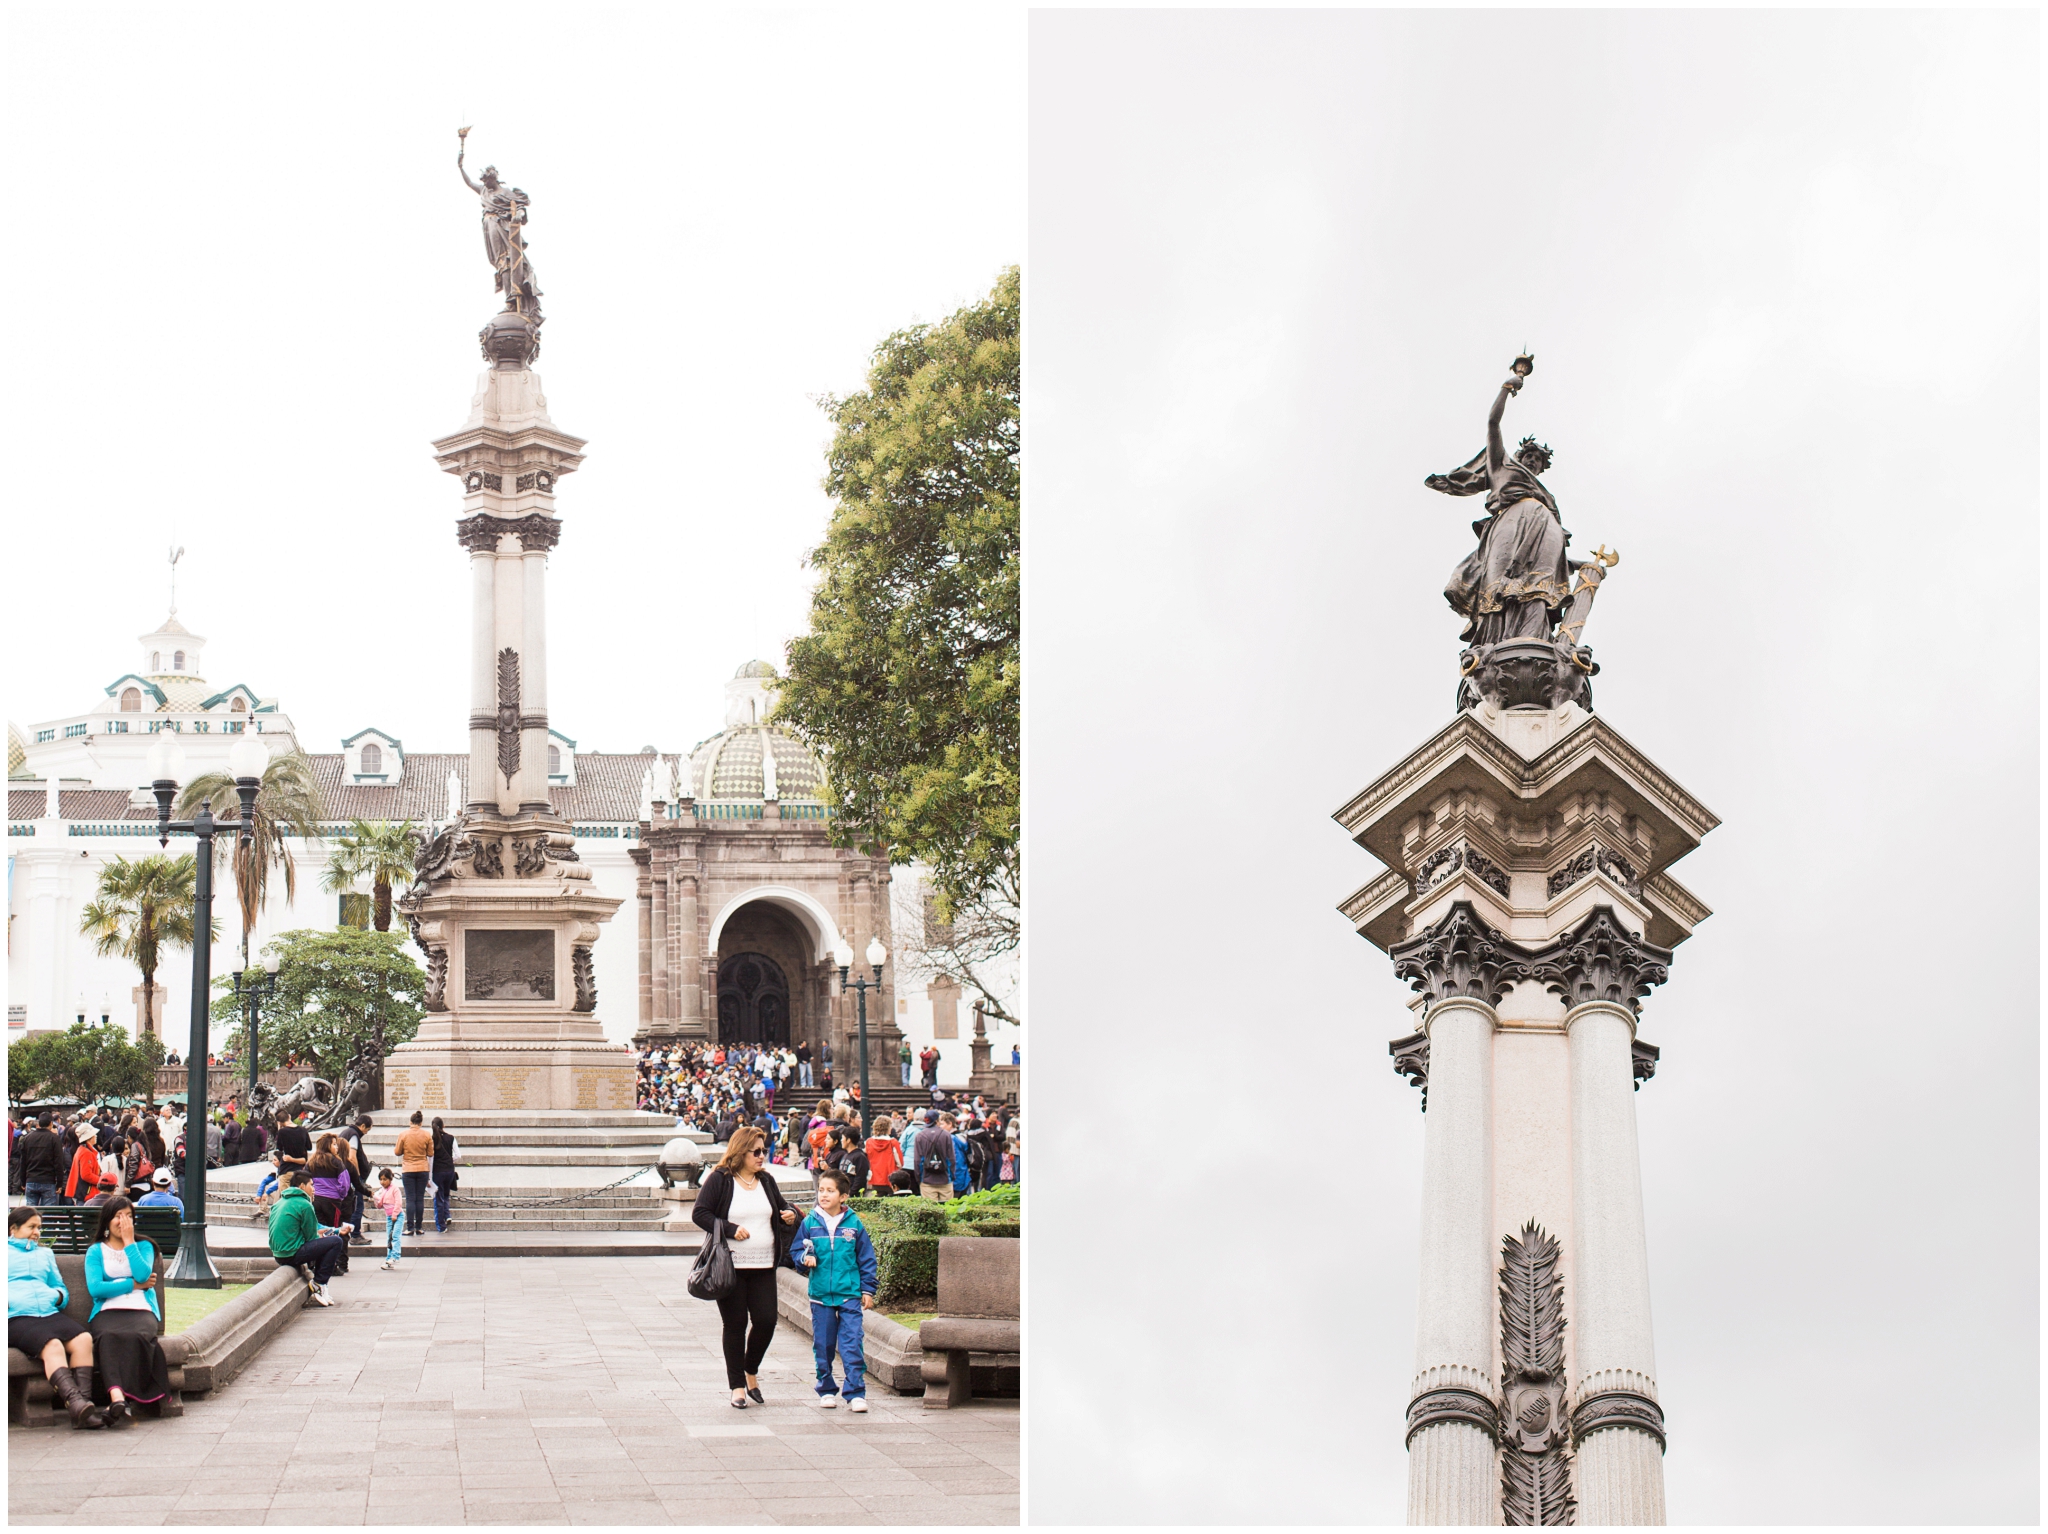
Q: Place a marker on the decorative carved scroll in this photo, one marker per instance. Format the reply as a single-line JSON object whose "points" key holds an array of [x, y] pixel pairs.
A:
{"points": [[1599, 961], [1452, 1405], [1441, 864], [508, 712], [1535, 1463], [530, 859], [585, 974], [1643, 1061], [1591, 857], [437, 978], [1618, 1408], [1411, 1059], [487, 859]]}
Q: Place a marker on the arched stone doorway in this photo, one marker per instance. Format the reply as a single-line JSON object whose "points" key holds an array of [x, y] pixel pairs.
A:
{"points": [[753, 1000]]}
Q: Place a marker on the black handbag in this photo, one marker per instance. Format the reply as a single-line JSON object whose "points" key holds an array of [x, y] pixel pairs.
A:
{"points": [[712, 1278]]}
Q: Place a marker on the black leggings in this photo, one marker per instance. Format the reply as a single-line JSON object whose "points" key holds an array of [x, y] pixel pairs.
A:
{"points": [[752, 1299]]}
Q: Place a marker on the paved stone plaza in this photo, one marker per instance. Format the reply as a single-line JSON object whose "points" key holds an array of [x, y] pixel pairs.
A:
{"points": [[552, 1390]]}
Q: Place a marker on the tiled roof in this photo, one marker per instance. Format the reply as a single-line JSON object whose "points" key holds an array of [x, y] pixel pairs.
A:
{"points": [[733, 760], [607, 788], [76, 804]]}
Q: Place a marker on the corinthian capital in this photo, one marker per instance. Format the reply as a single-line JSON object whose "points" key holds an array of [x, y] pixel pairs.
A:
{"points": [[1600, 961], [1461, 956]]}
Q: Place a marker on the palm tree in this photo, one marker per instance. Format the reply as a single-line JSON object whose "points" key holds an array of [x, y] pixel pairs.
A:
{"points": [[287, 805], [143, 907], [382, 852]]}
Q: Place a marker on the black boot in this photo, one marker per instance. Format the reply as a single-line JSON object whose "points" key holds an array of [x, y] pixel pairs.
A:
{"points": [[119, 1415], [69, 1391]]}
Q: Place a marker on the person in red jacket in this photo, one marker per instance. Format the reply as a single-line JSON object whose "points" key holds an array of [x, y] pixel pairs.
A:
{"points": [[884, 1154], [85, 1168]]}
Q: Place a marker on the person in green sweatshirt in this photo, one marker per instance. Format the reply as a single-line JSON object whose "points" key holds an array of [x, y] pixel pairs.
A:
{"points": [[298, 1241], [837, 1249]]}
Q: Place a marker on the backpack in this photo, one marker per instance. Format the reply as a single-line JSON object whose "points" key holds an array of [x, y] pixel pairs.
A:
{"points": [[933, 1167]]}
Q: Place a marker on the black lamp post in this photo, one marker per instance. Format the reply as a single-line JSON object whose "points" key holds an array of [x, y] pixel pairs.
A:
{"points": [[262, 985], [194, 1267], [876, 954]]}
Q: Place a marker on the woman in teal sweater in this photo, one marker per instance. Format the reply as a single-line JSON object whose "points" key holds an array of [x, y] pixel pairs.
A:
{"points": [[37, 1324], [120, 1274]]}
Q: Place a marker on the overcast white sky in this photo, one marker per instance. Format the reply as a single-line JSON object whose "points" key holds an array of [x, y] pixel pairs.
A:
{"points": [[244, 284], [1779, 272]]}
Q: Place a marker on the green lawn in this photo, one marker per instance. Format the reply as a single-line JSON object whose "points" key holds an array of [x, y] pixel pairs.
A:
{"points": [[184, 1306], [910, 1318]]}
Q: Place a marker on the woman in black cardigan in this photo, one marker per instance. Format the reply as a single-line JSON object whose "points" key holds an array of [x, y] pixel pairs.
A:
{"points": [[760, 1224]]}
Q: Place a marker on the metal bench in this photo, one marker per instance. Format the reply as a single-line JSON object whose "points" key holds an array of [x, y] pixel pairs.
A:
{"points": [[978, 1325]]}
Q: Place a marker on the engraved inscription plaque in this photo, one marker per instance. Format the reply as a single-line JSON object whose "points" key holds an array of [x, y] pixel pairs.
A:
{"points": [[509, 966]]}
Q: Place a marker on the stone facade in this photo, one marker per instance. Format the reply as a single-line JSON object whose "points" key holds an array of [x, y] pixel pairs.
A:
{"points": [[743, 899]]}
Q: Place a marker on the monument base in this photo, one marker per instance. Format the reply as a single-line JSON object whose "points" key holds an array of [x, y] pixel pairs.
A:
{"points": [[553, 1077]]}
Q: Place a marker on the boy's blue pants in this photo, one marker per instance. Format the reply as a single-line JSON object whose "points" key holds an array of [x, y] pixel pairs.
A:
{"points": [[839, 1326]]}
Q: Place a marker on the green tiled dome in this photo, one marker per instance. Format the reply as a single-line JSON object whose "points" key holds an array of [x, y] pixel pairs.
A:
{"points": [[728, 765]]}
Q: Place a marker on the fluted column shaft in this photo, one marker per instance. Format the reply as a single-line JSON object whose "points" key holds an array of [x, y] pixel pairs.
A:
{"points": [[1451, 1475], [483, 678], [533, 683], [663, 914], [1620, 1469], [690, 965]]}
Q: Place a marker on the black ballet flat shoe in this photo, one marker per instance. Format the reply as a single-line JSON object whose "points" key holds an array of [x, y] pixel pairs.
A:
{"points": [[754, 1394]]}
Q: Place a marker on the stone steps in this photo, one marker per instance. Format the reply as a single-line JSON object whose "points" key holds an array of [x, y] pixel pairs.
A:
{"points": [[381, 1141]]}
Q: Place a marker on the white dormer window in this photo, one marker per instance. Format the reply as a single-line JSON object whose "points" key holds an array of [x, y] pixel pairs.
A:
{"points": [[554, 761], [373, 760], [178, 660], [131, 700], [238, 706], [156, 660], [371, 756]]}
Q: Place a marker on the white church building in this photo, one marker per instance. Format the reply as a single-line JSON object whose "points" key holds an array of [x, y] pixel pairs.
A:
{"points": [[78, 796]]}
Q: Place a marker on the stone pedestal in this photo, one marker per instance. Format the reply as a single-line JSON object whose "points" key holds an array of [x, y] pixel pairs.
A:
{"points": [[1527, 899]]}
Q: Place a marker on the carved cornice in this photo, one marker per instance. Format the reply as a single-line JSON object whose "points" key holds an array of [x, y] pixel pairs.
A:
{"points": [[1389, 887], [1618, 1408], [1452, 1404], [1597, 735], [1461, 956], [1666, 891], [1445, 863], [1411, 1059], [1599, 961]]}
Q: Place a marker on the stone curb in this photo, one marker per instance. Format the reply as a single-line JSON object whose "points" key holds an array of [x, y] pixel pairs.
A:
{"points": [[220, 1346]]}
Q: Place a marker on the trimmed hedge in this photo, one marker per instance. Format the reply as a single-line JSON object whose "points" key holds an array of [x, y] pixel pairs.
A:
{"points": [[906, 1266]]}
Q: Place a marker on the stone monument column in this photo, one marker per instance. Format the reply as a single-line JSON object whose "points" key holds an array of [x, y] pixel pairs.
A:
{"points": [[683, 917], [1450, 1411], [1616, 1421], [1527, 894], [502, 904]]}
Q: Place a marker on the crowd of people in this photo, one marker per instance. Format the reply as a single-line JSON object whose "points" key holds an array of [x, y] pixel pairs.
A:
{"points": [[708, 1085]]}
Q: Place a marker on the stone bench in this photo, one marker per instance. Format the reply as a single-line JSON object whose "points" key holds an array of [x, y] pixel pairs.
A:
{"points": [[29, 1398], [977, 1328]]}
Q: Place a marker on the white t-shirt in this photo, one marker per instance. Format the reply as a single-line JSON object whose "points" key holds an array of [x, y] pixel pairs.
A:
{"points": [[752, 1213], [114, 1264]]}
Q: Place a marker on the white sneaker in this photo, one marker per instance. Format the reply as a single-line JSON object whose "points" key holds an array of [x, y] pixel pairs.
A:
{"points": [[826, 1403], [320, 1295], [858, 1403], [385, 1265]]}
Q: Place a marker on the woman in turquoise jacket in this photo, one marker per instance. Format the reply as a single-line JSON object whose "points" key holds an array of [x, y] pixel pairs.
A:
{"points": [[120, 1274], [36, 1323]]}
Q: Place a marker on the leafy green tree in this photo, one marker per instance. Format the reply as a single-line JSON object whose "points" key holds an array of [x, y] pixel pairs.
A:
{"points": [[335, 990], [142, 907], [380, 851], [287, 805], [91, 1062], [908, 680]]}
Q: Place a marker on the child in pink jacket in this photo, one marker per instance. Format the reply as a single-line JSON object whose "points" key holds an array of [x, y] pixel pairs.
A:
{"points": [[392, 1202]]}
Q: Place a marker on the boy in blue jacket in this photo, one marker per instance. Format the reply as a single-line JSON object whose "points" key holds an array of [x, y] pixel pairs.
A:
{"points": [[836, 1248]]}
